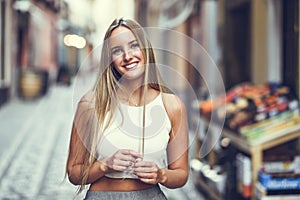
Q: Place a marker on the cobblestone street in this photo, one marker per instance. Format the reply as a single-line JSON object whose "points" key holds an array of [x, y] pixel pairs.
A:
{"points": [[33, 162], [34, 141]]}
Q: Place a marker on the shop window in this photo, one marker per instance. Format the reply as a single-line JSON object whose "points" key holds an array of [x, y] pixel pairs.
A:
{"points": [[237, 42], [3, 90], [2, 37], [291, 44]]}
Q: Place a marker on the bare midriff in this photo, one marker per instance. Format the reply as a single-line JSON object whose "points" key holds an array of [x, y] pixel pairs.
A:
{"points": [[114, 184]]}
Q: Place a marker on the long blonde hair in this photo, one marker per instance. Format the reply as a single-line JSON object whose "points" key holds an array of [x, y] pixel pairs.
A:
{"points": [[105, 89]]}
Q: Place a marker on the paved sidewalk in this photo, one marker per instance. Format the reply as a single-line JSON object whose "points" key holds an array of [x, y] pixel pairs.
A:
{"points": [[34, 139], [34, 144]]}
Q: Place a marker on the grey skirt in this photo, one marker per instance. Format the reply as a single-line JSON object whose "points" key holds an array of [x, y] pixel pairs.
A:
{"points": [[153, 193]]}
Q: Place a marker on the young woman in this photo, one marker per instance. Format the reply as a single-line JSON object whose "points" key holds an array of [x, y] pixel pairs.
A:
{"points": [[129, 133]]}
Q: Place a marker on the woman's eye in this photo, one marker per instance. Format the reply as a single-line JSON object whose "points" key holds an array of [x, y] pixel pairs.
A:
{"points": [[117, 51], [135, 45]]}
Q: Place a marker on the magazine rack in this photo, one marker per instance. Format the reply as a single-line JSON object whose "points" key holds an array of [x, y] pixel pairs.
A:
{"points": [[256, 148]]}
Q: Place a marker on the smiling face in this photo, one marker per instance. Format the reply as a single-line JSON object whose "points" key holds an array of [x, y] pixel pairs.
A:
{"points": [[127, 56]]}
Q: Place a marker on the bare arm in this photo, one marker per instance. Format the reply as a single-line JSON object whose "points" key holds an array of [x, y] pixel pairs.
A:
{"points": [[79, 148], [177, 173], [77, 154]]}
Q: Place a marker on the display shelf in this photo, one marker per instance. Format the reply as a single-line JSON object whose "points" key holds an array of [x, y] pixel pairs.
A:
{"points": [[256, 149], [210, 192]]}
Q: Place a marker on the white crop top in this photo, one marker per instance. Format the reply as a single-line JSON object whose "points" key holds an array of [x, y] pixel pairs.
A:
{"points": [[125, 132]]}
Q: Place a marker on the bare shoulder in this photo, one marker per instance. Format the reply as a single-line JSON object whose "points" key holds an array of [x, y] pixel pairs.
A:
{"points": [[173, 104], [85, 112], [86, 104], [88, 97]]}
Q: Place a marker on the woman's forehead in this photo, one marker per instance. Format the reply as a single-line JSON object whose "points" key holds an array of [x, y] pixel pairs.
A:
{"points": [[121, 35]]}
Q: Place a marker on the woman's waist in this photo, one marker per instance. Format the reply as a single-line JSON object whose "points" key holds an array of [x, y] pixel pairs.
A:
{"points": [[118, 184]]}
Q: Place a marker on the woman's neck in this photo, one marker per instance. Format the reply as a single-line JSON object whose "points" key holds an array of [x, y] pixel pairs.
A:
{"points": [[131, 94]]}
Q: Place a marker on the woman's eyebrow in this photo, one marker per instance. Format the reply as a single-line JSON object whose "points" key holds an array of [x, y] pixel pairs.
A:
{"points": [[132, 41], [115, 47]]}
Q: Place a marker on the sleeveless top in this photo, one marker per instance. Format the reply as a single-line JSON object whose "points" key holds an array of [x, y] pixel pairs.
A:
{"points": [[125, 132]]}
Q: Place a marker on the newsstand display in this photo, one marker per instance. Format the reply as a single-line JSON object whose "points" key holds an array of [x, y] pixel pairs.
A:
{"points": [[251, 108], [262, 123]]}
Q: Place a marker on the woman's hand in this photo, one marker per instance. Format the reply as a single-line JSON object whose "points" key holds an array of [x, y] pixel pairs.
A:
{"points": [[121, 160], [148, 172]]}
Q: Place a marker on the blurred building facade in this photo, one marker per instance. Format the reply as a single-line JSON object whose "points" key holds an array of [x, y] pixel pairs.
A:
{"points": [[33, 41], [28, 44], [249, 40]]}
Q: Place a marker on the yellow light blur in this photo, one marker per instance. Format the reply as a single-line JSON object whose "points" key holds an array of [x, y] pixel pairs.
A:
{"points": [[74, 41]]}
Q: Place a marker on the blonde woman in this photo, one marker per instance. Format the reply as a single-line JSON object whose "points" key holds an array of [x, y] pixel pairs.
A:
{"points": [[129, 133]]}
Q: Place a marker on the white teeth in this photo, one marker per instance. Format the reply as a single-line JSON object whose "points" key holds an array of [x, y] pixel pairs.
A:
{"points": [[130, 66]]}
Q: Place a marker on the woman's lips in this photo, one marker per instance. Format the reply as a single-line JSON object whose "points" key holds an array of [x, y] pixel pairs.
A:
{"points": [[131, 65]]}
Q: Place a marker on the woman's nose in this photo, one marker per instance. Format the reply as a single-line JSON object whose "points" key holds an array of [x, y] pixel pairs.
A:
{"points": [[128, 55]]}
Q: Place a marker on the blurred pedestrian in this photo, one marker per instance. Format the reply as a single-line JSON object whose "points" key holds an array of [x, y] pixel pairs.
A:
{"points": [[130, 132]]}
